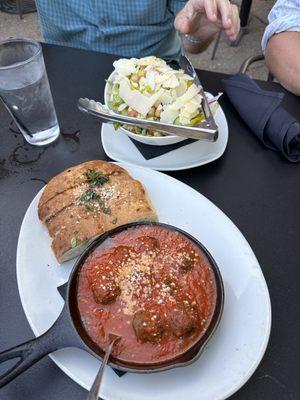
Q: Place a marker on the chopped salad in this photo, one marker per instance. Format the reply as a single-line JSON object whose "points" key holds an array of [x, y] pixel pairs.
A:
{"points": [[149, 88]]}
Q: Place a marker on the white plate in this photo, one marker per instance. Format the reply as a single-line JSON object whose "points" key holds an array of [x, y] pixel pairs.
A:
{"points": [[238, 345], [119, 147]]}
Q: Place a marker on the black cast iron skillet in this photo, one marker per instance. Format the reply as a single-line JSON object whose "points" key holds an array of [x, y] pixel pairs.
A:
{"points": [[68, 331]]}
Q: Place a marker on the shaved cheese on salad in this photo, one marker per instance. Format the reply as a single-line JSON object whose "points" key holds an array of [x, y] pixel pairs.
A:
{"points": [[125, 67], [192, 91], [135, 99], [168, 116], [149, 88]]}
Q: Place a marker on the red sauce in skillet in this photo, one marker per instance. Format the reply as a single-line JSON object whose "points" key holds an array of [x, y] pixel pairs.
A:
{"points": [[152, 286]]}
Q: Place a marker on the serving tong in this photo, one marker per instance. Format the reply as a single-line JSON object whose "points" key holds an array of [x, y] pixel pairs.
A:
{"points": [[206, 130], [185, 64], [101, 111]]}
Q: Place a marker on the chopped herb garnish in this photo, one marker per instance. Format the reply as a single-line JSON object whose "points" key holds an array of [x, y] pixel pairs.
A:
{"points": [[101, 203], [73, 242], [90, 198], [104, 209], [91, 174], [96, 178], [114, 221], [88, 207], [89, 195]]}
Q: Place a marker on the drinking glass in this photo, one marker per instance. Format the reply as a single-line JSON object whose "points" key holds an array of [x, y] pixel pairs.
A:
{"points": [[25, 91]]}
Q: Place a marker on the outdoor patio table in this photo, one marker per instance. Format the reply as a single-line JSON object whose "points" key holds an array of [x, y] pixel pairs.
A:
{"points": [[257, 188]]}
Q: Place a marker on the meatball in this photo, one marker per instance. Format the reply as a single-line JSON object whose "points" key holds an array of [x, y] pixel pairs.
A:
{"points": [[147, 243], [182, 322], [105, 291], [147, 327], [120, 254]]}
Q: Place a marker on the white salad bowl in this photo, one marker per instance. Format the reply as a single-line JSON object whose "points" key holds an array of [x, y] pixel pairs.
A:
{"points": [[152, 140]]}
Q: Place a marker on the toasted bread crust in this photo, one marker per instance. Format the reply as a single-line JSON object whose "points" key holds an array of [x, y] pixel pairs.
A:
{"points": [[73, 223], [73, 176]]}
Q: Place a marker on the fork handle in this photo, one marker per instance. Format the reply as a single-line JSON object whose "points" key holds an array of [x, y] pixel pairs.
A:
{"points": [[94, 391]]}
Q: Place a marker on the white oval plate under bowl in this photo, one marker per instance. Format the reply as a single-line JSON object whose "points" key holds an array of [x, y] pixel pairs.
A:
{"points": [[235, 350], [118, 146]]}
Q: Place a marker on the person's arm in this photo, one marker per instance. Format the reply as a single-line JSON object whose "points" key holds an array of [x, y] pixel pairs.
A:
{"points": [[202, 19], [281, 44], [282, 57]]}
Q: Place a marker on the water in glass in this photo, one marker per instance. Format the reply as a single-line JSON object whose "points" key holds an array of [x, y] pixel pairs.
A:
{"points": [[25, 91]]}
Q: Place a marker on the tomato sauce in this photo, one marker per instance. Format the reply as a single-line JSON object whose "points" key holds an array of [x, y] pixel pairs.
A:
{"points": [[150, 285]]}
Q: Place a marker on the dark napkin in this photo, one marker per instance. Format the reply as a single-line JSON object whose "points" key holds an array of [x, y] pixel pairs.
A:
{"points": [[149, 151], [261, 110]]}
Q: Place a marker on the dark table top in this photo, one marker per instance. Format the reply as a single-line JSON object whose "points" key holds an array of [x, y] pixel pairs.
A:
{"points": [[257, 188]]}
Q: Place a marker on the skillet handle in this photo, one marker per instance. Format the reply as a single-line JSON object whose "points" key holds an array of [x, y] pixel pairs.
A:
{"points": [[61, 334], [29, 353]]}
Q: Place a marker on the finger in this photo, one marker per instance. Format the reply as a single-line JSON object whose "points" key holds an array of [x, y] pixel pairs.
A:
{"points": [[187, 20], [232, 36], [231, 33], [183, 18], [182, 25], [234, 30], [225, 10], [211, 10], [237, 20]]}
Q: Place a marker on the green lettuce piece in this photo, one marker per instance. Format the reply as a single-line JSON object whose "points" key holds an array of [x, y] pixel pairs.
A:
{"points": [[196, 120], [117, 125], [117, 101], [177, 121]]}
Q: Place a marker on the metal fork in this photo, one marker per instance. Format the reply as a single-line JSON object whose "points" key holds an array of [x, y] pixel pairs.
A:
{"points": [[94, 391]]}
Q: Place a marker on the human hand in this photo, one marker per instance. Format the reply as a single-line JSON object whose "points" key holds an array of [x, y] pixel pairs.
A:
{"points": [[204, 18]]}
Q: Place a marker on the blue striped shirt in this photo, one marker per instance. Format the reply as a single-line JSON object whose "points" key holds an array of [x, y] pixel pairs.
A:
{"points": [[129, 28], [284, 17]]}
